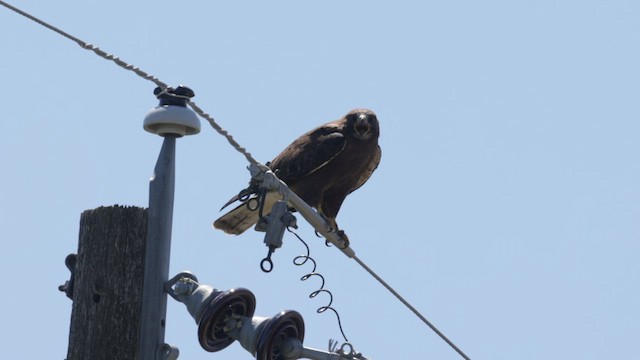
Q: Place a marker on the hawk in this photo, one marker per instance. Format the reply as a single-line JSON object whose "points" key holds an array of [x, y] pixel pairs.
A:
{"points": [[322, 167]]}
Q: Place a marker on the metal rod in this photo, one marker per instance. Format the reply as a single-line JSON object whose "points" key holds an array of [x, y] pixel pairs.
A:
{"points": [[157, 252]]}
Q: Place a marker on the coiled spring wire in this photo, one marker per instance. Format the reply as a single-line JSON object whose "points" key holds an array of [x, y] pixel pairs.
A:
{"points": [[257, 204], [303, 259]]}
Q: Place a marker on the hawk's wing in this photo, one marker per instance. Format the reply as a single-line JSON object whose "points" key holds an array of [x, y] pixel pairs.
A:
{"points": [[304, 156], [309, 153], [372, 167]]}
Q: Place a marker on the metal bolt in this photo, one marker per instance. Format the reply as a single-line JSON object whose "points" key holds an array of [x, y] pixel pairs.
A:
{"points": [[184, 287], [231, 324]]}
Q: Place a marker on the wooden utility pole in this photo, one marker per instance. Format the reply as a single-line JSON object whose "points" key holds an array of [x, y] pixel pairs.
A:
{"points": [[108, 283]]}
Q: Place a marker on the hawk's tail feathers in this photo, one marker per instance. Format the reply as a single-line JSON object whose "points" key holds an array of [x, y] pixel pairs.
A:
{"points": [[241, 218]]}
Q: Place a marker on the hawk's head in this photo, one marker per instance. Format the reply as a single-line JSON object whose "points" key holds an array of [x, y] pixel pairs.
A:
{"points": [[363, 123]]}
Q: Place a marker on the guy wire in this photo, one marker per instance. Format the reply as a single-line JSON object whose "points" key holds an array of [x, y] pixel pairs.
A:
{"points": [[406, 303]]}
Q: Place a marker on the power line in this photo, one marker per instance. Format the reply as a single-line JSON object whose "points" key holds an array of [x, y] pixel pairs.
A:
{"points": [[140, 73], [413, 309], [312, 217], [88, 46]]}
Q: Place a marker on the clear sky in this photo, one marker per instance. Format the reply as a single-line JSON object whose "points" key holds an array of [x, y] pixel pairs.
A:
{"points": [[506, 207]]}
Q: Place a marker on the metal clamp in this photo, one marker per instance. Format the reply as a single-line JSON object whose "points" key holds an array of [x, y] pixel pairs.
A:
{"points": [[70, 261], [346, 350], [276, 223]]}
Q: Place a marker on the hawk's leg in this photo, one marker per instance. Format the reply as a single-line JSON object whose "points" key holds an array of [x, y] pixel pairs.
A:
{"points": [[334, 227]]}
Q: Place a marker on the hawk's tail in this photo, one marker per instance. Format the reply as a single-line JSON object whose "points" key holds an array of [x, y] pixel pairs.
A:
{"points": [[241, 218]]}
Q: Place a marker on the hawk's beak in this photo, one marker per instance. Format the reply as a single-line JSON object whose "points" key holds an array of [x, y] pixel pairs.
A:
{"points": [[362, 127]]}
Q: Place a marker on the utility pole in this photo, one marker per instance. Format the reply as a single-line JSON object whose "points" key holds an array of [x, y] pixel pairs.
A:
{"points": [[118, 277], [107, 284]]}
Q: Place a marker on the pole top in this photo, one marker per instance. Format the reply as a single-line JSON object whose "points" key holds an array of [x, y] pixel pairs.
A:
{"points": [[171, 116]]}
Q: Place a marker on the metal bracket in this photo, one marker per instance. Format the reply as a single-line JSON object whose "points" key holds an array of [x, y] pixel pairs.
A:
{"points": [[181, 285], [67, 288], [292, 348]]}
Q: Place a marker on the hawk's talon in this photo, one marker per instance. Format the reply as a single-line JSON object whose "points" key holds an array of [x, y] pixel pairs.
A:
{"points": [[344, 238], [333, 226]]}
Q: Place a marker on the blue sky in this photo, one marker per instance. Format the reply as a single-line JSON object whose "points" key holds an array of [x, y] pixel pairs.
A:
{"points": [[505, 207]]}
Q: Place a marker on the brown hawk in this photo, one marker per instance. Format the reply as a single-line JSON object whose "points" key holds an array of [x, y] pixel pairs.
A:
{"points": [[322, 167]]}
